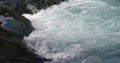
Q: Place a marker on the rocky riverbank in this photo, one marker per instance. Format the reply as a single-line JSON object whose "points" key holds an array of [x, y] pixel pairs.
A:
{"points": [[14, 26]]}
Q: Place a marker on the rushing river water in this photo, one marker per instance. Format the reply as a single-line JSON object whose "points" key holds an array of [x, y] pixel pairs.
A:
{"points": [[78, 31]]}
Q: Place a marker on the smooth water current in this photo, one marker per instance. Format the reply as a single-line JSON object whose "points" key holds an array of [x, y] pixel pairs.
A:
{"points": [[78, 31]]}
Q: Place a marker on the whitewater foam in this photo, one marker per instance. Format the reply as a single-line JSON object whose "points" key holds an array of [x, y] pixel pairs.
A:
{"points": [[77, 31]]}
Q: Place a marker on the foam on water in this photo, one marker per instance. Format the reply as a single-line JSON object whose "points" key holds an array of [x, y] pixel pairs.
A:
{"points": [[78, 31]]}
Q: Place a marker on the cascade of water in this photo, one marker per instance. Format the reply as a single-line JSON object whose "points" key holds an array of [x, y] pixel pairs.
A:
{"points": [[78, 31]]}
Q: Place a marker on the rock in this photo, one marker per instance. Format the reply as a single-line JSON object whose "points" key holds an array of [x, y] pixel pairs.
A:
{"points": [[12, 47], [20, 6], [14, 52], [14, 26], [42, 4]]}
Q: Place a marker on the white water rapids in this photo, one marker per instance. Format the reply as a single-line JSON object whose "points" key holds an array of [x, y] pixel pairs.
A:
{"points": [[78, 31]]}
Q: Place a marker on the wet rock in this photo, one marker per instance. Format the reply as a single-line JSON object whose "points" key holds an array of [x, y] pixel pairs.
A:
{"points": [[13, 21], [14, 52], [21, 6], [42, 4], [12, 47], [14, 26], [16, 5]]}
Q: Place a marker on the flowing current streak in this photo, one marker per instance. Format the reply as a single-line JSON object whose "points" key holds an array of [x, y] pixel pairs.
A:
{"points": [[78, 31]]}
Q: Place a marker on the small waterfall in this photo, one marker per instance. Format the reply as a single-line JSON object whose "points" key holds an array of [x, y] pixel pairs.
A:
{"points": [[78, 31]]}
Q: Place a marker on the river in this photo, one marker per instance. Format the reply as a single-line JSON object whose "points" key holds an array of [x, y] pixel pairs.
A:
{"points": [[77, 31]]}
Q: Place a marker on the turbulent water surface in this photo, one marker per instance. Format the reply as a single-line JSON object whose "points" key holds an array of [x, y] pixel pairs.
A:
{"points": [[78, 31]]}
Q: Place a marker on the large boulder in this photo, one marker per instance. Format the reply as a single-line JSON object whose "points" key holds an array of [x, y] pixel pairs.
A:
{"points": [[16, 24]]}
